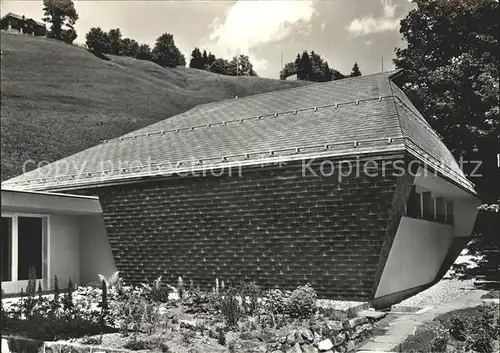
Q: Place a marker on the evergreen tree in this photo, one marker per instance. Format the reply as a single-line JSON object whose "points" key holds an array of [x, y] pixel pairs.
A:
{"points": [[355, 70], [114, 41], [204, 60], [166, 54], [144, 52], [196, 61]]}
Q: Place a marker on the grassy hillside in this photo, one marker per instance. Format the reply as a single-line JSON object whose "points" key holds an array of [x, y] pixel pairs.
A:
{"points": [[59, 99]]}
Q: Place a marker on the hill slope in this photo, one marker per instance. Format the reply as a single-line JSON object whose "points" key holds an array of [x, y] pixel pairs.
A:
{"points": [[59, 99]]}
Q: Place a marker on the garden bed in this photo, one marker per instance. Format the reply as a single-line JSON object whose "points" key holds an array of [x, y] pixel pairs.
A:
{"points": [[468, 330], [160, 318]]}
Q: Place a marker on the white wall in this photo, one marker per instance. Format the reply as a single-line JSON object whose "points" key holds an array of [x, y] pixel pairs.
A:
{"points": [[417, 253], [64, 250], [95, 251]]}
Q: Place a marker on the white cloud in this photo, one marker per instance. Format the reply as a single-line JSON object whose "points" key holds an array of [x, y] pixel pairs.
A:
{"points": [[323, 26], [368, 42], [370, 24], [250, 24]]}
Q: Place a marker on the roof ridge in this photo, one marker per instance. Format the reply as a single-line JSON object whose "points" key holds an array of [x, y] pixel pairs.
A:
{"points": [[240, 120], [314, 84], [420, 119], [396, 107]]}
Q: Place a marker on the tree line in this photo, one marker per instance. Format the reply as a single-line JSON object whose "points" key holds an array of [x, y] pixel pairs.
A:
{"points": [[312, 67]]}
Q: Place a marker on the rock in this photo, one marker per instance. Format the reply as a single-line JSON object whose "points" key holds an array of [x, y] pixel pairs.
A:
{"points": [[295, 349], [325, 345], [317, 337], [350, 346], [307, 335], [316, 328], [282, 340], [274, 346], [360, 320], [339, 339], [372, 314], [346, 324], [290, 338], [188, 324], [307, 348], [277, 351], [268, 336], [334, 326], [245, 346], [251, 336]]}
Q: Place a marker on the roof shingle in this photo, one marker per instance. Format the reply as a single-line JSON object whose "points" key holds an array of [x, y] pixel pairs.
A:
{"points": [[356, 115]]}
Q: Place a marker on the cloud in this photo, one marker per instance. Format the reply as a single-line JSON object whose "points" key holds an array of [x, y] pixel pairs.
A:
{"points": [[369, 24], [250, 24]]}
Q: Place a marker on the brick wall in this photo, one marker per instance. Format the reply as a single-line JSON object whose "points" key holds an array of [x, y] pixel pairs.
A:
{"points": [[274, 226]]}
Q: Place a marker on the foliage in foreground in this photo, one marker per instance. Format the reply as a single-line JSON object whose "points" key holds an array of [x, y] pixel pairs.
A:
{"points": [[468, 330]]}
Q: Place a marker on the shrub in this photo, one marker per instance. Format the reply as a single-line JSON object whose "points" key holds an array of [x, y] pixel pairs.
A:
{"points": [[483, 331], [250, 293], [302, 303], [230, 308], [458, 329], [439, 342], [155, 292]]}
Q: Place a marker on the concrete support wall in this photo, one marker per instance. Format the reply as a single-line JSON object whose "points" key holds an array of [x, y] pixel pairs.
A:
{"points": [[417, 253], [64, 250], [95, 251]]}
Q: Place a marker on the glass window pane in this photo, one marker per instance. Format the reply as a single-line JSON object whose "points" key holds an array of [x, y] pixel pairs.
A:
{"points": [[30, 233], [6, 248], [449, 212], [440, 210], [413, 206], [428, 206]]}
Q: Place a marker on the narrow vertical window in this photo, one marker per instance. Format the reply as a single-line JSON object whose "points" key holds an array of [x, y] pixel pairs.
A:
{"points": [[440, 210], [6, 249], [450, 218], [428, 206], [413, 208], [30, 242]]}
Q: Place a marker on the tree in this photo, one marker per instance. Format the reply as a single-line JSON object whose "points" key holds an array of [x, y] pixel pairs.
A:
{"points": [[97, 41], [62, 16], [196, 61], [219, 66], [129, 47], [310, 67], [336, 75], [144, 52], [211, 58], [451, 75], [355, 70], [165, 53], [241, 66], [114, 40], [288, 71]]}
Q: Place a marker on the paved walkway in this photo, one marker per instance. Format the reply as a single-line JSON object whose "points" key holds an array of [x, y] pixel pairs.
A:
{"points": [[405, 326]]}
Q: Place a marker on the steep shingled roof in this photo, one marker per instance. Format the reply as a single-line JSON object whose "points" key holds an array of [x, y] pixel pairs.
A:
{"points": [[366, 114]]}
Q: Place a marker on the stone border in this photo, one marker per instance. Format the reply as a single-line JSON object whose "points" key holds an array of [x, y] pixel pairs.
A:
{"points": [[15, 344]]}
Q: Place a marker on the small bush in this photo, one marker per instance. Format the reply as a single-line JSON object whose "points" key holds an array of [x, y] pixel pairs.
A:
{"points": [[230, 308], [439, 342], [302, 302], [458, 329], [250, 293]]}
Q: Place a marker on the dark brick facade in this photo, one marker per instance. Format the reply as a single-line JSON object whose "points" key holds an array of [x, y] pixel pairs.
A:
{"points": [[272, 225]]}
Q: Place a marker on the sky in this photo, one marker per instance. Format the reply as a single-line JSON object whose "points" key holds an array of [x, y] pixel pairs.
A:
{"points": [[341, 31]]}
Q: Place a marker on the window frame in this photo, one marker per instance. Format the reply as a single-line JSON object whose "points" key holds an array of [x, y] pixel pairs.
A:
{"points": [[448, 219], [15, 246]]}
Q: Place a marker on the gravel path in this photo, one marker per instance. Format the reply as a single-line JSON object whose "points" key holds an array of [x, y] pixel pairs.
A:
{"points": [[442, 292]]}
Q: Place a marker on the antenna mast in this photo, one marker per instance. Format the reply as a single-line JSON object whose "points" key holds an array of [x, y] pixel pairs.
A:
{"points": [[382, 63]]}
